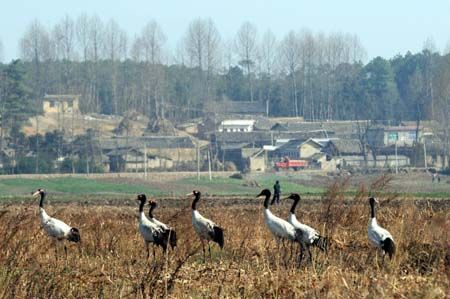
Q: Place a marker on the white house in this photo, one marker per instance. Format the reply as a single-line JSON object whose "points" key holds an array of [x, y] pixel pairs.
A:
{"points": [[402, 135], [237, 125]]}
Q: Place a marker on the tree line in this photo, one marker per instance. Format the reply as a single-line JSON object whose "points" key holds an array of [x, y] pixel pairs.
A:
{"points": [[314, 75]]}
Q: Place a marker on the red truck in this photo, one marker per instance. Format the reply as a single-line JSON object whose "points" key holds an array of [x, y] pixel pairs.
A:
{"points": [[288, 163]]}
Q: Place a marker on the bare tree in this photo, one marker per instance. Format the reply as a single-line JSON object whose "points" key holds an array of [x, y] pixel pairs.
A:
{"points": [[35, 47], [290, 62], [246, 49], [152, 41], [202, 44], [63, 41], [63, 36], [268, 56], [307, 51], [35, 43], [82, 35], [149, 47], [429, 49], [113, 52]]}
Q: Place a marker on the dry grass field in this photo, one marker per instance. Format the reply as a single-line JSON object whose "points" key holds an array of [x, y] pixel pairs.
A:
{"points": [[111, 261]]}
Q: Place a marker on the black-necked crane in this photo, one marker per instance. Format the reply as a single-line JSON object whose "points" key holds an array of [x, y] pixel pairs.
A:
{"points": [[167, 229], [55, 228], [310, 236], [150, 232], [205, 228], [280, 228], [379, 236]]}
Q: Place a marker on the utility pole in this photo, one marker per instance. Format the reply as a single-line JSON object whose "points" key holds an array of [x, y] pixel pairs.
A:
{"points": [[209, 166], [425, 153], [396, 158], [198, 162], [145, 161], [37, 144]]}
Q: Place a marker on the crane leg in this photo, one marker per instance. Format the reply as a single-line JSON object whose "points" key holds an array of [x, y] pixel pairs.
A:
{"points": [[302, 251], [148, 250], [65, 251], [204, 252], [310, 254], [209, 249], [56, 250]]}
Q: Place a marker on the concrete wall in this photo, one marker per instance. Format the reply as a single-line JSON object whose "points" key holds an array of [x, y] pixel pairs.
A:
{"points": [[257, 163], [382, 161], [308, 149], [154, 176], [405, 138], [60, 106], [175, 154]]}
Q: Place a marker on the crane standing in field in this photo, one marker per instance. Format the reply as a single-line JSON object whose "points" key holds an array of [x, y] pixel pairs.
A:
{"points": [[55, 228], [280, 228], [379, 236], [206, 229], [310, 236], [164, 227], [150, 232]]}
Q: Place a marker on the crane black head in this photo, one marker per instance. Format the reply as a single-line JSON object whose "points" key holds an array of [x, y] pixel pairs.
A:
{"points": [[294, 196], [196, 194], [141, 197], [265, 192], [39, 191], [152, 205]]}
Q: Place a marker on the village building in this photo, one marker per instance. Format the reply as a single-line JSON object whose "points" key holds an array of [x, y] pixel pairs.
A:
{"points": [[152, 152], [312, 146], [61, 103], [237, 125]]}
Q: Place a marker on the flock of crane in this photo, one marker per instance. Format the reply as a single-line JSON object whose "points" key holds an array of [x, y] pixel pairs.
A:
{"points": [[159, 234]]}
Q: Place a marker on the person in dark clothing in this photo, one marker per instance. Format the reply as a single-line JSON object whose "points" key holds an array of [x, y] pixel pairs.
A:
{"points": [[276, 193]]}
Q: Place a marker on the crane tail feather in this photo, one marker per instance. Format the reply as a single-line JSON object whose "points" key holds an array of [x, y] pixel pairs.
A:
{"points": [[322, 243], [74, 235], [388, 247], [172, 238], [218, 236]]}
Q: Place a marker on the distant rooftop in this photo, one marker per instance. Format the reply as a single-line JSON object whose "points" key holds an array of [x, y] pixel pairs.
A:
{"points": [[61, 97]]}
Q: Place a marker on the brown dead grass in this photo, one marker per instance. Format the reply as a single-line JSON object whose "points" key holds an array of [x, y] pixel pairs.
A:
{"points": [[110, 262]]}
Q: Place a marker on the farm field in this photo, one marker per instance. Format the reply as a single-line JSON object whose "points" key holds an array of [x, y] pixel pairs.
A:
{"points": [[111, 260], [107, 187]]}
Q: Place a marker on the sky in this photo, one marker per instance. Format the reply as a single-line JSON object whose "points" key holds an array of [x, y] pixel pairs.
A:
{"points": [[385, 27]]}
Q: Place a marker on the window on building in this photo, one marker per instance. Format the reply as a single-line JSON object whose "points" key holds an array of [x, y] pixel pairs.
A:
{"points": [[412, 135], [393, 136], [70, 104], [52, 104]]}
